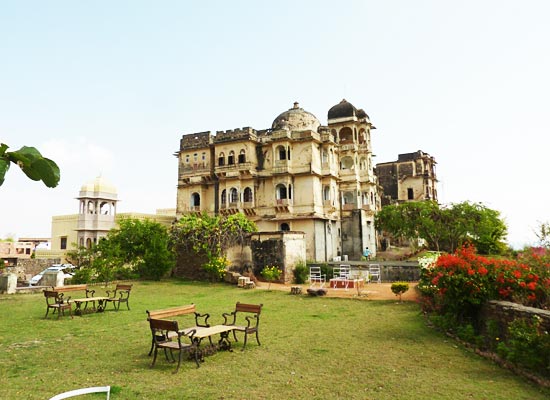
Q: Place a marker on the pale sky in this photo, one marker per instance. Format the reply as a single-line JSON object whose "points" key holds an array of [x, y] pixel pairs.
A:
{"points": [[109, 87]]}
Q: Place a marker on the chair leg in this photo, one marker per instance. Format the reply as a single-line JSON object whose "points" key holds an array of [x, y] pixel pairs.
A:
{"points": [[47, 311], [154, 357], [245, 338], [258, 339], [179, 362], [152, 347]]}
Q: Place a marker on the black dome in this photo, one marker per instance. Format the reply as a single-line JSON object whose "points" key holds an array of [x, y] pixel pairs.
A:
{"points": [[344, 109]]}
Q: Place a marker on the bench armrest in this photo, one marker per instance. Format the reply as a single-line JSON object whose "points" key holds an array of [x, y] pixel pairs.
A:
{"points": [[229, 318], [90, 292], [252, 320], [205, 317]]}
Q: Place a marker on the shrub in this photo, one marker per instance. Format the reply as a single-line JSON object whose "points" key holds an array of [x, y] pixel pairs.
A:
{"points": [[271, 274], [301, 273], [398, 288], [527, 345]]}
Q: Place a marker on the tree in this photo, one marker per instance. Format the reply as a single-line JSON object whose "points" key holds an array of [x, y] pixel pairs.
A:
{"points": [[447, 227], [542, 232], [136, 248], [31, 162]]}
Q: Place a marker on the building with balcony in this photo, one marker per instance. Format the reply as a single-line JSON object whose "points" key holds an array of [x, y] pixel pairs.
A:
{"points": [[411, 178], [297, 175]]}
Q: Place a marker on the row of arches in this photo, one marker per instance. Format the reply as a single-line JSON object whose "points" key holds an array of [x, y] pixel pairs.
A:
{"points": [[97, 207], [231, 158], [232, 195], [347, 135]]}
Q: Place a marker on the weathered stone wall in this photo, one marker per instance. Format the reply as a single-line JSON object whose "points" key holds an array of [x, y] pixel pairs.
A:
{"points": [[31, 267], [504, 312]]}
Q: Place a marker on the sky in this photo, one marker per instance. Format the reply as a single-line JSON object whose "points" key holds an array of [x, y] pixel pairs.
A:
{"points": [[108, 88]]}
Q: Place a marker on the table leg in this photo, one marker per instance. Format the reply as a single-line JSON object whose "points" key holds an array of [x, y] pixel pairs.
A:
{"points": [[77, 309], [224, 342], [101, 305]]}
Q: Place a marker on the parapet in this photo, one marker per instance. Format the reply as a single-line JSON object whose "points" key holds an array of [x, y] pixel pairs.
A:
{"points": [[195, 140], [246, 133]]}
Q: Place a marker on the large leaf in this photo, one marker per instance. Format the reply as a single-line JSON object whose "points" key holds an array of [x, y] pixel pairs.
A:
{"points": [[48, 171]]}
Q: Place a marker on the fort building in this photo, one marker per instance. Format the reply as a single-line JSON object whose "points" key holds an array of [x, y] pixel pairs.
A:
{"points": [[297, 175], [411, 178]]}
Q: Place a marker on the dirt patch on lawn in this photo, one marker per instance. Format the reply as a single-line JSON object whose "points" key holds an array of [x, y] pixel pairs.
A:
{"points": [[371, 291]]}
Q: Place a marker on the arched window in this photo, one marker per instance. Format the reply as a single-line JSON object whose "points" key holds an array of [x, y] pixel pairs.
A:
{"points": [[231, 158], [346, 135], [195, 200], [233, 195], [326, 193], [346, 163], [349, 198], [203, 156], [285, 227], [280, 192], [363, 163], [224, 197], [281, 151], [242, 156], [247, 195], [221, 159], [187, 158]]}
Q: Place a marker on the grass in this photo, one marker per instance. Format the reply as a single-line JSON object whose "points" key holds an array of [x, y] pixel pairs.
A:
{"points": [[312, 348]]}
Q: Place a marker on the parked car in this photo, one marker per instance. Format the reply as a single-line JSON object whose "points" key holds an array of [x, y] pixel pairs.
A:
{"points": [[67, 269]]}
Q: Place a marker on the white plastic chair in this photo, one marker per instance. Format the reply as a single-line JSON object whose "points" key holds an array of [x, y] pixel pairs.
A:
{"points": [[78, 392], [374, 273], [315, 276]]}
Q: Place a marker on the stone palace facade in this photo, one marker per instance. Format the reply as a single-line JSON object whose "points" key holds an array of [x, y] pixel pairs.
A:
{"points": [[298, 175]]}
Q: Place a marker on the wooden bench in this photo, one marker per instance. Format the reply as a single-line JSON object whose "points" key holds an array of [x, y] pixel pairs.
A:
{"points": [[249, 322], [201, 320], [120, 294], [79, 301]]}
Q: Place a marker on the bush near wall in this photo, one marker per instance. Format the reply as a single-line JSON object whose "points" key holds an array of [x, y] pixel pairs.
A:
{"points": [[458, 286]]}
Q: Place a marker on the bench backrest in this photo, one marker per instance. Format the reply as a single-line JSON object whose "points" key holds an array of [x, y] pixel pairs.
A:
{"points": [[248, 308], [163, 325], [121, 286], [70, 288], [171, 312]]}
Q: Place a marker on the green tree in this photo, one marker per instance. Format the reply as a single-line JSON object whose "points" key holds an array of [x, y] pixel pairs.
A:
{"points": [[446, 227], [136, 248], [31, 162], [142, 246]]}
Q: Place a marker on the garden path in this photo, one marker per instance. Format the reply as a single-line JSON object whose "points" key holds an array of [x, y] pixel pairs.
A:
{"points": [[371, 291]]}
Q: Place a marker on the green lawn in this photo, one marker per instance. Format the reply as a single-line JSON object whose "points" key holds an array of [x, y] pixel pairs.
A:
{"points": [[312, 348]]}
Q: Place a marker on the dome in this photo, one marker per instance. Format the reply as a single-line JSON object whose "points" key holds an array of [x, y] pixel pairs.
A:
{"points": [[99, 185], [344, 109], [296, 119]]}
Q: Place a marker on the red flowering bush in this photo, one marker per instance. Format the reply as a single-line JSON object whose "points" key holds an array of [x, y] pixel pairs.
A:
{"points": [[460, 283]]}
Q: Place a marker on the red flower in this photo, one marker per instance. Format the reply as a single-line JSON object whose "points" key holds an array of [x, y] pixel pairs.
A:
{"points": [[482, 271], [517, 273], [471, 271], [532, 285]]}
